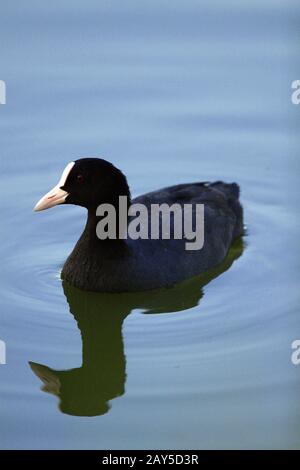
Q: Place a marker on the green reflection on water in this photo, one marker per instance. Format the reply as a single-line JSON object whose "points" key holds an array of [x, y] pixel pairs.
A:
{"points": [[87, 390]]}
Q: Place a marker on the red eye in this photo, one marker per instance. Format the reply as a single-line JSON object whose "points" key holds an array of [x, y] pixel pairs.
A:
{"points": [[80, 178]]}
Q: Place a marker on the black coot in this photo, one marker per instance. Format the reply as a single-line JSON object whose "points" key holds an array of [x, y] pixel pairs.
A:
{"points": [[124, 265]]}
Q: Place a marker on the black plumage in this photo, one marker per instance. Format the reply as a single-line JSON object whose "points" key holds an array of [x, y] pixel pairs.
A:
{"points": [[134, 265]]}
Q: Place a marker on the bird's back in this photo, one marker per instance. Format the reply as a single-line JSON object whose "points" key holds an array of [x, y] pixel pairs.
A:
{"points": [[164, 262], [154, 263]]}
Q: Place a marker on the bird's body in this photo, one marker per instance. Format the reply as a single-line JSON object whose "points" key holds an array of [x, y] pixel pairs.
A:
{"points": [[142, 264], [127, 265]]}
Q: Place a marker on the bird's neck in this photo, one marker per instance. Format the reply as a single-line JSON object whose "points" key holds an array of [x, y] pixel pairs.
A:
{"points": [[110, 245]]}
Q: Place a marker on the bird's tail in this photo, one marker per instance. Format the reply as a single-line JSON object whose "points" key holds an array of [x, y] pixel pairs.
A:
{"points": [[231, 192]]}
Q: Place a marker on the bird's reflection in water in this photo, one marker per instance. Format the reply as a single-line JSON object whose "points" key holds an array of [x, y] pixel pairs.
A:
{"points": [[87, 390]]}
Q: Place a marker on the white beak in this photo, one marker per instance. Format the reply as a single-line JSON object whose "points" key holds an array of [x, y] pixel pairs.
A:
{"points": [[51, 199], [56, 195]]}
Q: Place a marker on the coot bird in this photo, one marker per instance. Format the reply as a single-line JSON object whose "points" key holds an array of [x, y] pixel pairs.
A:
{"points": [[127, 264]]}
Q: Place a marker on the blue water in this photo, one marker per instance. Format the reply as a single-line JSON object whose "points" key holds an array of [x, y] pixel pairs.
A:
{"points": [[170, 92]]}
